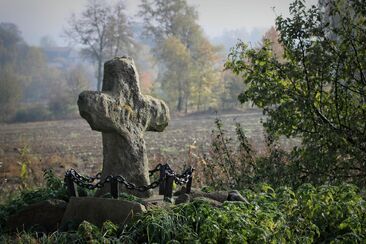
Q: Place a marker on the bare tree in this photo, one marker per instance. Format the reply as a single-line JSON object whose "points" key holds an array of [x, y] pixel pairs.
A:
{"points": [[103, 32]]}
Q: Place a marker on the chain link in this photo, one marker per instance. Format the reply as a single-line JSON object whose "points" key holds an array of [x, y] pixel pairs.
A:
{"points": [[184, 177], [87, 182], [157, 168]]}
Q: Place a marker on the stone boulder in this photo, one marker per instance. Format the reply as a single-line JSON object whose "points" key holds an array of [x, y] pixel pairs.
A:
{"points": [[43, 216], [220, 196], [235, 196], [210, 201], [183, 198], [99, 210]]}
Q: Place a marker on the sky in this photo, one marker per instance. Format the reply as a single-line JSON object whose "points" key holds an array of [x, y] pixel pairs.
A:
{"points": [[38, 18]]}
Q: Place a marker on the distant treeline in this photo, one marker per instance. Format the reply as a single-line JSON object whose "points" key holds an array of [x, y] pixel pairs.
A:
{"points": [[30, 88]]}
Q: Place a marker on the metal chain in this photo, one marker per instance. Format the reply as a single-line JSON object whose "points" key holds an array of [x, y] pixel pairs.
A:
{"points": [[132, 186], [157, 168], [184, 177], [84, 181], [87, 182]]}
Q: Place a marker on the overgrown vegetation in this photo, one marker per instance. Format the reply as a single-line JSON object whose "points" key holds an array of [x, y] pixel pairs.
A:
{"points": [[309, 214], [232, 163], [316, 90]]}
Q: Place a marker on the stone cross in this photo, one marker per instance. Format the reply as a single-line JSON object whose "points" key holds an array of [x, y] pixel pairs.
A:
{"points": [[122, 114]]}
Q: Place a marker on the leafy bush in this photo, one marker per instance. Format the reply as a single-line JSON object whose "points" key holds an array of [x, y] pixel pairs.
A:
{"points": [[316, 91]]}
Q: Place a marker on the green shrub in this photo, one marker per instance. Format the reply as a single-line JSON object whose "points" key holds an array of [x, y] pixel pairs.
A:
{"points": [[315, 89]]}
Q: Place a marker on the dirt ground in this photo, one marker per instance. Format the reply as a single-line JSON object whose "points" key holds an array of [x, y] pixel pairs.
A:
{"points": [[65, 144]]}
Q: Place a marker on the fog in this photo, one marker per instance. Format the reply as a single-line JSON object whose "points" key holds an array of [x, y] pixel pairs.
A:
{"points": [[38, 18], [47, 57]]}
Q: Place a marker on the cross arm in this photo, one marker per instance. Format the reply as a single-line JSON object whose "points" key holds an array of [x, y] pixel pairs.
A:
{"points": [[157, 113]]}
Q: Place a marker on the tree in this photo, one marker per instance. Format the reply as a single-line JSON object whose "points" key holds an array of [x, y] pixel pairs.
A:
{"points": [[171, 24], [272, 36], [318, 92], [76, 81], [103, 31], [165, 18], [10, 93], [174, 78], [206, 69], [233, 86], [186, 58], [10, 42], [47, 42]]}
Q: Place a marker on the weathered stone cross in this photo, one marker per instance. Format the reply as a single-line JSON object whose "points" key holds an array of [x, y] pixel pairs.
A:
{"points": [[122, 114]]}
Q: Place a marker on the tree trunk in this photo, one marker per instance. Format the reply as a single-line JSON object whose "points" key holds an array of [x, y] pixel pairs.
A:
{"points": [[199, 101], [180, 103], [186, 106], [99, 75], [180, 97]]}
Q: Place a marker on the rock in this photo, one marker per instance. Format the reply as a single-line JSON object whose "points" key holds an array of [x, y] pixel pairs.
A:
{"points": [[181, 191], [220, 196], [210, 201], [122, 114], [99, 210], [236, 196], [157, 204], [43, 216], [169, 200], [184, 198]]}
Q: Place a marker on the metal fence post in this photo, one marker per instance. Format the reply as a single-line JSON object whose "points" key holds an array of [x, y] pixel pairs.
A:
{"points": [[169, 187], [114, 187], [189, 184], [162, 181], [71, 186]]}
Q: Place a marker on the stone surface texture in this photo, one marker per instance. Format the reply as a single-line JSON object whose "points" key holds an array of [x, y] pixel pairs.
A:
{"points": [[220, 196], [43, 216], [99, 210], [122, 114], [210, 201], [236, 196]]}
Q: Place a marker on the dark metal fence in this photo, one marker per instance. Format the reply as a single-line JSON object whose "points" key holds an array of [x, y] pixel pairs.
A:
{"points": [[165, 182]]}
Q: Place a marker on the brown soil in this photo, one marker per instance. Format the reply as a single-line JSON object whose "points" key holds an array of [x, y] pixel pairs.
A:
{"points": [[64, 144]]}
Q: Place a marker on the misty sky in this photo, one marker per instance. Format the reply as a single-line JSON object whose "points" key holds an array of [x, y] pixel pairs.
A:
{"points": [[37, 18]]}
